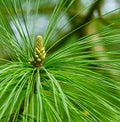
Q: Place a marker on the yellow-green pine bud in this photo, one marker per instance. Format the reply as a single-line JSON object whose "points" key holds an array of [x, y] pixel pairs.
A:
{"points": [[37, 50], [31, 59], [35, 53], [40, 54], [42, 49], [39, 60], [43, 56], [39, 42], [36, 56]]}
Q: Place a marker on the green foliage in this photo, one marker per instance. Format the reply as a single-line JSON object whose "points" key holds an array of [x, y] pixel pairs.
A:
{"points": [[73, 84]]}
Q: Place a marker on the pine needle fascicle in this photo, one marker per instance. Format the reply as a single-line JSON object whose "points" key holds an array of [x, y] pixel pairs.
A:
{"points": [[70, 84]]}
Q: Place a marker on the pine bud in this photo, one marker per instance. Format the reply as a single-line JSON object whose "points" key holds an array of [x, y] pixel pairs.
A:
{"points": [[39, 53], [36, 56]]}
